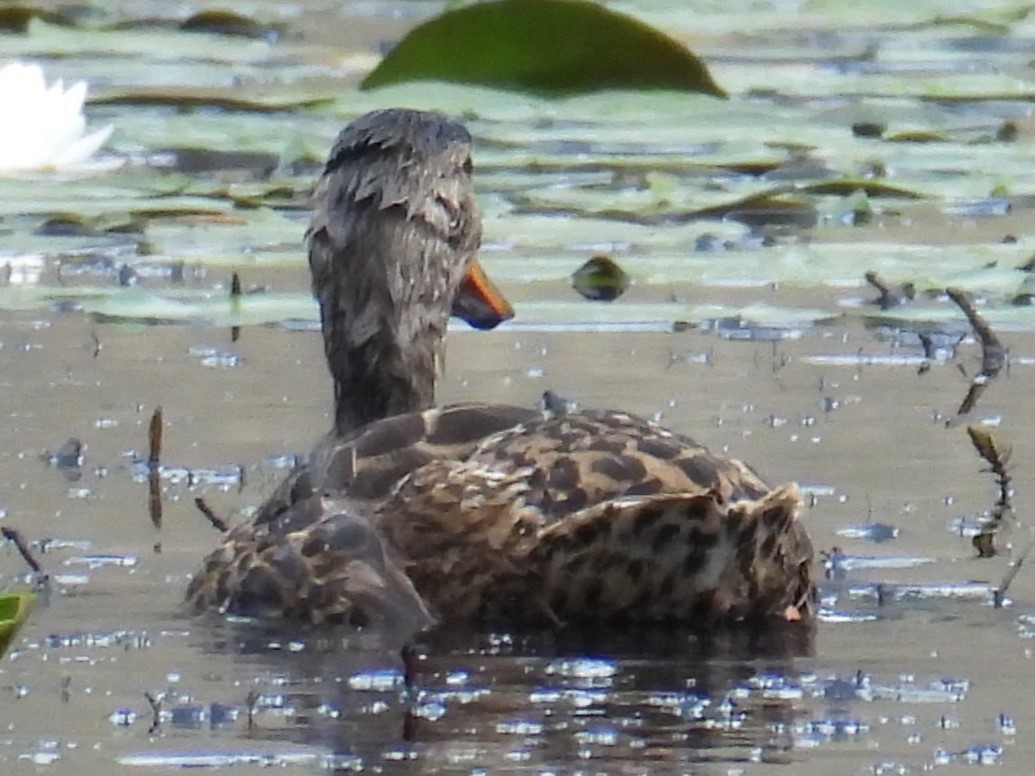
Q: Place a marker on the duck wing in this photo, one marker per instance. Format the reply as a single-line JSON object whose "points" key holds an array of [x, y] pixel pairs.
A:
{"points": [[599, 516], [476, 547], [579, 459], [369, 462], [322, 561]]}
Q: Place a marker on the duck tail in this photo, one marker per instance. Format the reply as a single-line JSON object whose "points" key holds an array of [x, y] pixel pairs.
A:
{"points": [[691, 557], [772, 562]]}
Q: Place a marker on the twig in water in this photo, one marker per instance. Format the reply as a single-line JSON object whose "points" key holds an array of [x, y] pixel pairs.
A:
{"points": [[154, 479], [156, 712], [997, 459], [12, 535], [410, 659], [251, 701], [411, 694], [154, 497], [999, 596], [890, 296], [235, 304], [217, 522], [993, 352], [154, 438]]}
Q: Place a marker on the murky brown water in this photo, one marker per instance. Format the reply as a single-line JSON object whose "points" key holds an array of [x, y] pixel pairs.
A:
{"points": [[910, 669], [923, 677]]}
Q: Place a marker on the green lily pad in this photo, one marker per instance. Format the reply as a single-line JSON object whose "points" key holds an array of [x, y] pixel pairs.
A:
{"points": [[600, 279], [548, 47], [220, 22], [14, 609], [228, 98], [873, 188]]}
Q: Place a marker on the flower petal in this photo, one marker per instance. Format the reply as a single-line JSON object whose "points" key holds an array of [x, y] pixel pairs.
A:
{"points": [[82, 149], [43, 126]]}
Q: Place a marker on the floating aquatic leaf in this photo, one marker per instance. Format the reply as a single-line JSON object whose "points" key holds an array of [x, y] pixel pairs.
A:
{"points": [[220, 22], [776, 206], [16, 18], [550, 47], [227, 98], [14, 609], [191, 161], [868, 128], [872, 187], [600, 279], [917, 136]]}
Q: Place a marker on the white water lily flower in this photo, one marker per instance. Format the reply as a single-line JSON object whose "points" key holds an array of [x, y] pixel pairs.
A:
{"points": [[41, 128]]}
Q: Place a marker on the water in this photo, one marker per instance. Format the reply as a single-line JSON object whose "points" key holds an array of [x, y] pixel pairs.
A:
{"points": [[897, 683]]}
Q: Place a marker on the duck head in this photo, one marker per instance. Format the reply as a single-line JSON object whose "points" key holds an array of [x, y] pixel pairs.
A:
{"points": [[392, 250]]}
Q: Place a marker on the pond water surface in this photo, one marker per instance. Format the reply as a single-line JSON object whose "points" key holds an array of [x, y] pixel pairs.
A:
{"points": [[756, 339]]}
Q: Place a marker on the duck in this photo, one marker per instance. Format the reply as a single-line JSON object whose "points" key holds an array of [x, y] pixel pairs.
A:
{"points": [[409, 513]]}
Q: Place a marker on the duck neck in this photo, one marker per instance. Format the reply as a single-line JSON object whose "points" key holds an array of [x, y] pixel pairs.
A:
{"points": [[390, 373]]}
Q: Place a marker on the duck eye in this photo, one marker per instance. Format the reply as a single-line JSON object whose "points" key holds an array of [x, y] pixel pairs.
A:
{"points": [[468, 165]]}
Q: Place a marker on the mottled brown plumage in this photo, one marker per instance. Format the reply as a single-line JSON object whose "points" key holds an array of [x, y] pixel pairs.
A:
{"points": [[406, 512]]}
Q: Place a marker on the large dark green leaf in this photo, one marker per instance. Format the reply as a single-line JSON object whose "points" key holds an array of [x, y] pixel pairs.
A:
{"points": [[550, 47], [14, 608]]}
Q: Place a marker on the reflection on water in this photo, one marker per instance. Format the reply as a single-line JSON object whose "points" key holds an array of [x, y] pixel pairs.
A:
{"points": [[537, 701]]}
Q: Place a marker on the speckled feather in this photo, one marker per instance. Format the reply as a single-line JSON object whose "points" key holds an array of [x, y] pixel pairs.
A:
{"points": [[502, 536], [321, 562]]}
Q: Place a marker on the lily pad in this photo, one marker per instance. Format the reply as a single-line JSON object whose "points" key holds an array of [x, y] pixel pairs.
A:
{"points": [[547, 47], [226, 98], [16, 18], [600, 279], [873, 188], [14, 608], [221, 22]]}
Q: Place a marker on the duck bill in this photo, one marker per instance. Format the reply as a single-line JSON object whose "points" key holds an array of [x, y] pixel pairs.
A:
{"points": [[479, 302]]}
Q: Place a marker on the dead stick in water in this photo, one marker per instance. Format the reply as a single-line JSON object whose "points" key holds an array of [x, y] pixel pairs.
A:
{"points": [[993, 353], [16, 539], [999, 597], [890, 297], [154, 484], [154, 438], [217, 522], [997, 457], [235, 304], [156, 712]]}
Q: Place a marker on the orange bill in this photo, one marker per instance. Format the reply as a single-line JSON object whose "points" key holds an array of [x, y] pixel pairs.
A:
{"points": [[479, 302]]}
